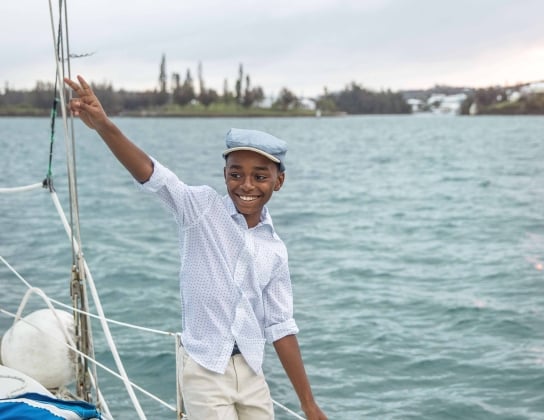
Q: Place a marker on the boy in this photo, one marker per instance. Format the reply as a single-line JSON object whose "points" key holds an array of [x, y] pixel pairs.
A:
{"points": [[234, 279]]}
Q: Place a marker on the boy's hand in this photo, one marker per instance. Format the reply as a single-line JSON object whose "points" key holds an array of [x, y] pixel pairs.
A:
{"points": [[313, 412], [86, 105]]}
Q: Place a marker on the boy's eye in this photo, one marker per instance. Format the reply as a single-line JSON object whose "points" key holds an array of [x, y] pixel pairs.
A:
{"points": [[260, 177], [234, 175]]}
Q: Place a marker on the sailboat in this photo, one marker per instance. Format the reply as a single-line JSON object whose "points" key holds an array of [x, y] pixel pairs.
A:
{"points": [[47, 357], [48, 367]]}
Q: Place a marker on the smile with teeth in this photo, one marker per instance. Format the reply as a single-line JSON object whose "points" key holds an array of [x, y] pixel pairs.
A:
{"points": [[248, 197]]}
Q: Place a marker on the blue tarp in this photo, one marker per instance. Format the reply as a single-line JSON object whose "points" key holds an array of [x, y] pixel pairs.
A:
{"points": [[33, 406]]}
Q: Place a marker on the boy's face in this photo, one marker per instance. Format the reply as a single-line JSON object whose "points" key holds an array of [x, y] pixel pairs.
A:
{"points": [[251, 179]]}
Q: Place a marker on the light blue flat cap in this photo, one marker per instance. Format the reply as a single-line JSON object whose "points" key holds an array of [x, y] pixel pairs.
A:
{"points": [[256, 141]]}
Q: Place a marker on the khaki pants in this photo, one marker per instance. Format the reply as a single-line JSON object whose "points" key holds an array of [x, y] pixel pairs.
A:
{"points": [[238, 394]]}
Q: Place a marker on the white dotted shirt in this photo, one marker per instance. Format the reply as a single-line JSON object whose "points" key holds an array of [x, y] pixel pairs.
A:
{"points": [[234, 281]]}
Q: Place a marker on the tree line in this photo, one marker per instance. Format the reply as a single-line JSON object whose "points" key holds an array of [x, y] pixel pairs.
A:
{"points": [[187, 92], [354, 99]]}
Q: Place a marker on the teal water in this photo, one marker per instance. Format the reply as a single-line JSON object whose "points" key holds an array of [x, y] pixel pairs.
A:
{"points": [[416, 249]]}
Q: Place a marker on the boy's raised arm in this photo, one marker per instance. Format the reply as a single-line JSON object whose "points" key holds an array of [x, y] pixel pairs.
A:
{"points": [[88, 108]]}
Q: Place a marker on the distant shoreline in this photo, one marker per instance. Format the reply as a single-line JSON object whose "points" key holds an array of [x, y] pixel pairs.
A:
{"points": [[255, 113], [189, 114]]}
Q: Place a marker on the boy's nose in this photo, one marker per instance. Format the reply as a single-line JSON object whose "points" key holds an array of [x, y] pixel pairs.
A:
{"points": [[247, 184]]}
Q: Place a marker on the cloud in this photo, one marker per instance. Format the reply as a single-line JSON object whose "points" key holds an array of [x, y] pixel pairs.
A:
{"points": [[303, 45]]}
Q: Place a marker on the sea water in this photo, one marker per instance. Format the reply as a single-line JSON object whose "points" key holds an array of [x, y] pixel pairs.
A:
{"points": [[416, 250]]}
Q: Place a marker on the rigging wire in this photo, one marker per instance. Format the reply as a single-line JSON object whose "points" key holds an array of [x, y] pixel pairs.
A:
{"points": [[80, 353], [80, 294], [137, 327], [80, 269], [77, 287], [92, 315], [48, 181], [100, 310]]}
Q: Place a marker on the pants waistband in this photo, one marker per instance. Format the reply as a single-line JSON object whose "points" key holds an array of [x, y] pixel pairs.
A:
{"points": [[235, 349]]}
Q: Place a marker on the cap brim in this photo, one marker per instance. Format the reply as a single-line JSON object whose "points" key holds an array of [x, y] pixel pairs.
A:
{"points": [[251, 149]]}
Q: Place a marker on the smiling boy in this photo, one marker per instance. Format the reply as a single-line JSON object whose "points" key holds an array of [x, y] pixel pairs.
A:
{"points": [[252, 174], [235, 286]]}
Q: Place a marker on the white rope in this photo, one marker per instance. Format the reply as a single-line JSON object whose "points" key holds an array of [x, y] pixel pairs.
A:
{"points": [[44, 296], [120, 323], [21, 189], [96, 298], [49, 302], [90, 314], [27, 284], [69, 340], [288, 410], [97, 363]]}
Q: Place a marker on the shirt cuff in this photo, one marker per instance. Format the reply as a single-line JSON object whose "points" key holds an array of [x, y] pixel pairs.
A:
{"points": [[277, 331], [156, 180]]}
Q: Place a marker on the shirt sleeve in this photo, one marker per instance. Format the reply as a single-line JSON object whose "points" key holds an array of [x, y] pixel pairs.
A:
{"points": [[186, 203], [278, 306]]}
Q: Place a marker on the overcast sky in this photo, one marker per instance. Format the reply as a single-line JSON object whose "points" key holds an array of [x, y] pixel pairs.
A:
{"points": [[304, 45]]}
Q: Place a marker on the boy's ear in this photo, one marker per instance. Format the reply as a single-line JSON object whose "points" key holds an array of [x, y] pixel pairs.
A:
{"points": [[279, 181]]}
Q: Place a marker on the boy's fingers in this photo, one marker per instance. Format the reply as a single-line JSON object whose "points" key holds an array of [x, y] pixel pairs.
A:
{"points": [[71, 82], [81, 88], [75, 87], [83, 83]]}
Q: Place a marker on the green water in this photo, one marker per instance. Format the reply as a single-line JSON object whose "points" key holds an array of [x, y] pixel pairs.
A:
{"points": [[416, 249]]}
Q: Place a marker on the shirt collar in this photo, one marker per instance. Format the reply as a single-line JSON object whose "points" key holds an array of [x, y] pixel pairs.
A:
{"points": [[266, 218]]}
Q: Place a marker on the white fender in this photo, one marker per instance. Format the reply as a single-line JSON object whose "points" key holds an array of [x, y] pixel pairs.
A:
{"points": [[36, 347]]}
